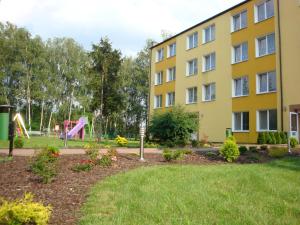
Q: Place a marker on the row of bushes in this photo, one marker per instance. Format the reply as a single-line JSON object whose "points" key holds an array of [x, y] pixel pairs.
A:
{"points": [[272, 138]]}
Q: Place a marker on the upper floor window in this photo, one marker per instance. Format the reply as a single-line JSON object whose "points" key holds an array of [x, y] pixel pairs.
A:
{"points": [[209, 33], [209, 62], [267, 120], [192, 40], [160, 55], [209, 92], [157, 101], [158, 78], [170, 99], [265, 45], [172, 50], [240, 53], [241, 121], [239, 21], [191, 95], [192, 67], [266, 82], [240, 86], [264, 10], [171, 74]]}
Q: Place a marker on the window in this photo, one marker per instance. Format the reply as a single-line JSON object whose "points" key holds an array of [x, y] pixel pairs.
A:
{"points": [[158, 78], [241, 121], [240, 53], [171, 74], [264, 10], [157, 101], [172, 50], [192, 67], [209, 34], [192, 40], [265, 45], [170, 99], [267, 120], [209, 62], [266, 82], [239, 21], [209, 92], [160, 55], [240, 87], [191, 95]]}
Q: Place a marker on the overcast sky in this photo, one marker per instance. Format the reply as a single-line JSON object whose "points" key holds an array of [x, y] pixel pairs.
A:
{"points": [[127, 23]]}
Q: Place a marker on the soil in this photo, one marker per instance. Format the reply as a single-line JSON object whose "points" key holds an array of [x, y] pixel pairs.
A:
{"points": [[68, 191]]}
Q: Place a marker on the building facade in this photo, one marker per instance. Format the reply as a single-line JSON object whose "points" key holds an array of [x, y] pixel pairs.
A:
{"points": [[239, 69]]}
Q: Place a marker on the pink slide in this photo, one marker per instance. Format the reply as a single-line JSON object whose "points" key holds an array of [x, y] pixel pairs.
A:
{"points": [[77, 128]]}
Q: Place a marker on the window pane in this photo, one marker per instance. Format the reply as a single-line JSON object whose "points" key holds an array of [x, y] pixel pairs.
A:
{"points": [[244, 19], [190, 95], [245, 121], [263, 120], [191, 67], [272, 119], [245, 51], [213, 33], [260, 12], [195, 94], [245, 86], [213, 60], [191, 41], [213, 91], [237, 121], [263, 86], [237, 53], [271, 43], [272, 81], [207, 92], [270, 8], [195, 39], [195, 66], [236, 22], [262, 46], [238, 87], [207, 63], [207, 34]]}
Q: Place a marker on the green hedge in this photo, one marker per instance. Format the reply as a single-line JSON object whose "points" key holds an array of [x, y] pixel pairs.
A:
{"points": [[272, 138]]}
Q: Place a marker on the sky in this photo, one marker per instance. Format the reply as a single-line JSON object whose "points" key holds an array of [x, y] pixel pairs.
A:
{"points": [[127, 23]]}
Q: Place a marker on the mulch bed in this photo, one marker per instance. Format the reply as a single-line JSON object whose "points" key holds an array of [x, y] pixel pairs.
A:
{"points": [[68, 191]]}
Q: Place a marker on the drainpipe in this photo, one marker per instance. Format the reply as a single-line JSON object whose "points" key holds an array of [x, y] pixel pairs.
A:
{"points": [[280, 63]]}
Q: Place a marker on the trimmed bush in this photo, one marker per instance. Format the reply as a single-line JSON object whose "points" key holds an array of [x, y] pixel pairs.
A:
{"points": [[293, 142], [231, 138], [230, 151], [268, 138], [92, 151], [273, 140], [243, 149], [283, 136], [278, 138], [19, 142], [168, 155], [276, 152], [174, 155], [261, 139], [121, 141], [24, 211]]}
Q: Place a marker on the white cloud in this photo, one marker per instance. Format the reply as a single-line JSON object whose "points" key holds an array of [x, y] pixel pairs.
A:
{"points": [[128, 23]]}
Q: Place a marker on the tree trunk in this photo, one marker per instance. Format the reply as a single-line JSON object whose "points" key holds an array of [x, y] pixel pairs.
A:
{"points": [[49, 123], [42, 116], [71, 102]]}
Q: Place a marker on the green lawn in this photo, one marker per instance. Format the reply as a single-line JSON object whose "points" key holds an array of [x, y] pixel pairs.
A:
{"points": [[39, 142], [212, 194]]}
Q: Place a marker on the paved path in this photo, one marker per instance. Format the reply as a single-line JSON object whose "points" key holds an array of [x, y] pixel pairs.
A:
{"points": [[30, 152]]}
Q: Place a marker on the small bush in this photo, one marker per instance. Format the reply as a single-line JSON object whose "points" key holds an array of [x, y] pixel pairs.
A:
{"points": [[178, 154], [173, 155], [121, 141], [92, 151], [283, 137], [273, 139], [24, 212], [187, 152], [150, 145], [293, 142], [83, 166], [168, 155], [230, 150], [105, 161], [261, 139], [276, 152], [278, 138], [19, 142], [211, 154], [195, 143], [243, 149], [181, 143], [231, 138], [253, 149], [268, 138]]}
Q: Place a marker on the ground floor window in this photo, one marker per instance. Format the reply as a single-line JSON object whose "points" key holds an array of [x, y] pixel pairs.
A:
{"points": [[170, 99], [241, 121], [267, 120], [158, 101]]}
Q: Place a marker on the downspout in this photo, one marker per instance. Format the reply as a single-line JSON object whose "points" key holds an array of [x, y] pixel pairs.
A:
{"points": [[280, 64]]}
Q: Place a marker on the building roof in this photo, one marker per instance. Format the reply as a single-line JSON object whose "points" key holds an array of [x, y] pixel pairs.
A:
{"points": [[202, 22]]}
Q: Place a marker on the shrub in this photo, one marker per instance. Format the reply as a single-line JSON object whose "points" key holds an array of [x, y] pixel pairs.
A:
{"points": [[151, 145], [178, 154], [121, 141], [243, 149], [167, 154], [293, 142], [174, 126], [231, 138], [268, 138], [230, 150], [211, 154], [181, 143], [83, 166], [277, 138], [92, 151], [169, 144], [105, 161], [173, 155], [277, 152], [19, 142], [283, 136], [273, 139], [195, 143], [187, 152], [24, 211], [261, 139], [253, 149]]}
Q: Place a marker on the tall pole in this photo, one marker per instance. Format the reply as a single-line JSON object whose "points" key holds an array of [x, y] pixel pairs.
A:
{"points": [[142, 134]]}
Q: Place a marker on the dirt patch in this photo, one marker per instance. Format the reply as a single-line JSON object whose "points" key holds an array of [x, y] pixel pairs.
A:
{"points": [[68, 191]]}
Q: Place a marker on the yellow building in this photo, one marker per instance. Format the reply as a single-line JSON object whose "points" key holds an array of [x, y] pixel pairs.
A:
{"points": [[239, 69]]}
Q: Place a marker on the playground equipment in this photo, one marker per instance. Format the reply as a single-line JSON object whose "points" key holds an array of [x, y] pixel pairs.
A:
{"points": [[7, 125], [75, 128], [21, 129]]}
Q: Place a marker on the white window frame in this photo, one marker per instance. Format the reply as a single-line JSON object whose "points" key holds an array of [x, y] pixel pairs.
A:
{"points": [[171, 73], [265, 11], [242, 84], [240, 15], [195, 90], [242, 120], [241, 53], [160, 73], [211, 38], [267, 46], [195, 40], [160, 55], [169, 52], [210, 55], [210, 96], [258, 83], [195, 62], [155, 101], [268, 120], [167, 99]]}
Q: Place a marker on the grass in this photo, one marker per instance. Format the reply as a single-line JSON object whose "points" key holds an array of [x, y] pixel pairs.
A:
{"points": [[190, 194], [40, 142]]}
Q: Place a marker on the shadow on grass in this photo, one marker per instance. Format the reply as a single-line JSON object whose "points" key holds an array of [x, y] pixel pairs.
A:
{"points": [[289, 163]]}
